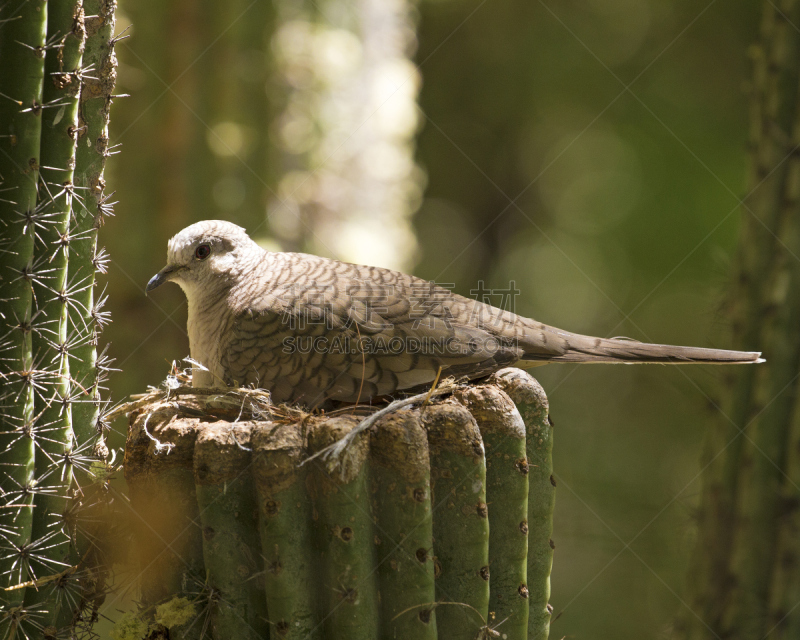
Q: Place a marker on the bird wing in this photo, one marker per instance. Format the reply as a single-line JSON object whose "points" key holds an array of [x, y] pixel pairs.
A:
{"points": [[358, 337]]}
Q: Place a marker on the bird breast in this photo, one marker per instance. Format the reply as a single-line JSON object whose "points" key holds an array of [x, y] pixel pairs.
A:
{"points": [[208, 317]]}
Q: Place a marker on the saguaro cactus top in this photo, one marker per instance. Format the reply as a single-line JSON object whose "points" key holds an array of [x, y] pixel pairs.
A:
{"points": [[433, 523]]}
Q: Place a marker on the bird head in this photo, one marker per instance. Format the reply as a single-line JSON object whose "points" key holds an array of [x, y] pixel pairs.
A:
{"points": [[205, 254]]}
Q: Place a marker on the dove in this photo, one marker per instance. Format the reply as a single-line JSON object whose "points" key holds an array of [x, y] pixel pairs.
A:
{"points": [[311, 329]]}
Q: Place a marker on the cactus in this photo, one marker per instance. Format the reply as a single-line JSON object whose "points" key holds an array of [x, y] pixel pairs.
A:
{"points": [[392, 538], [285, 525], [401, 502], [86, 315], [22, 49], [530, 399], [230, 533], [45, 81], [164, 487], [772, 109], [744, 576], [743, 568], [764, 505], [461, 519], [53, 404], [503, 433], [349, 595]]}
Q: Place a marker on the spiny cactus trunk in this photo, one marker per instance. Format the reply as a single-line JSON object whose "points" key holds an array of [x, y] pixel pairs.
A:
{"points": [[739, 575], [22, 41], [47, 91], [86, 316], [764, 507], [410, 534], [50, 343]]}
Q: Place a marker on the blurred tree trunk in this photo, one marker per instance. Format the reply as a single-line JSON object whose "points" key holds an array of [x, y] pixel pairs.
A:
{"points": [[347, 182], [227, 157], [745, 564], [199, 83], [479, 107], [196, 73]]}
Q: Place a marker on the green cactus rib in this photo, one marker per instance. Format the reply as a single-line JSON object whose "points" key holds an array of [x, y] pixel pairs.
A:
{"points": [[54, 415], [460, 520], [503, 433], [401, 502], [22, 40], [345, 537], [228, 516], [531, 401], [162, 492], [285, 529], [100, 74]]}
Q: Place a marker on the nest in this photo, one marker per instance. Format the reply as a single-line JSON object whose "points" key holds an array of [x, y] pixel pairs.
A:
{"points": [[239, 404]]}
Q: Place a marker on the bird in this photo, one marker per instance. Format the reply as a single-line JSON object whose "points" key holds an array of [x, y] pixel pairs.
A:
{"points": [[312, 330]]}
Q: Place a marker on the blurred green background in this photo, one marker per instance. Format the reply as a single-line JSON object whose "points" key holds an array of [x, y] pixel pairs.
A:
{"points": [[592, 152]]}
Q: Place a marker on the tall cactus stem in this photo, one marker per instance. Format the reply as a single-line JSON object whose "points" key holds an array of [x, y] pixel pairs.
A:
{"points": [[22, 42], [503, 433], [66, 31], [460, 520], [99, 78], [401, 502], [773, 427], [285, 529], [531, 402], [773, 98], [783, 622], [228, 515], [344, 524]]}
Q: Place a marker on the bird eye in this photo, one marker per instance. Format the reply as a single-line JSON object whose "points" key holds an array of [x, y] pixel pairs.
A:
{"points": [[202, 252]]}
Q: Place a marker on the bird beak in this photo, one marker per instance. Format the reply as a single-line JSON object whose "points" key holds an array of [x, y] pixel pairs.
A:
{"points": [[165, 275]]}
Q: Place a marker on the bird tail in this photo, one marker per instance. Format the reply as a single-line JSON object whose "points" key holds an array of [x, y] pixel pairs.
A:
{"points": [[622, 350]]}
